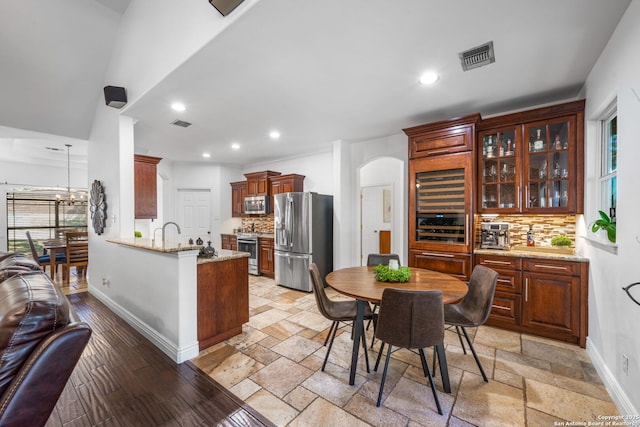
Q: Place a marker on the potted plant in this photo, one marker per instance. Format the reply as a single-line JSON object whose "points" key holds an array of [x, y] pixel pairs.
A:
{"points": [[561, 241], [605, 223]]}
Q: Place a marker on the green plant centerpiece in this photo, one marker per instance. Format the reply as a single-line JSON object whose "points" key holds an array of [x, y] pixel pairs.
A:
{"points": [[605, 223], [561, 240], [384, 274]]}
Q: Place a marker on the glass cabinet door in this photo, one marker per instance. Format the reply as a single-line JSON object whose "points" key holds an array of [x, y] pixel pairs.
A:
{"points": [[549, 165], [499, 170]]}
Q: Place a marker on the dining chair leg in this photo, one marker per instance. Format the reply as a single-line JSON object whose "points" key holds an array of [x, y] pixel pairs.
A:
{"points": [[435, 360], [364, 348], [384, 375], [374, 319], [444, 370], [425, 366], [475, 356], [326, 340], [464, 350], [326, 357], [379, 355]]}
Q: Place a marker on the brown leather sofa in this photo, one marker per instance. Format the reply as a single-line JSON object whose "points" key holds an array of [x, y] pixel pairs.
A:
{"points": [[41, 340]]}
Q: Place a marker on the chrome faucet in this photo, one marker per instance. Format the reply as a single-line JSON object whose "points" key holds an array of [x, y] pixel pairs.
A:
{"points": [[165, 226], [163, 229]]}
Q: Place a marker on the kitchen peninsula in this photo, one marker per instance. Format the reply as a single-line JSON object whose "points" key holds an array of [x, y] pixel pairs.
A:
{"points": [[180, 302]]}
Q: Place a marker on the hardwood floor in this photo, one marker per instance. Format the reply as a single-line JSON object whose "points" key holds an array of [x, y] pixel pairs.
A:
{"points": [[123, 380]]}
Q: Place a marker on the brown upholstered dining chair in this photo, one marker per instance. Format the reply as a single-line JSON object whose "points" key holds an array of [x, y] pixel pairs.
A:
{"points": [[474, 309], [77, 253], [413, 320], [377, 259], [336, 311]]}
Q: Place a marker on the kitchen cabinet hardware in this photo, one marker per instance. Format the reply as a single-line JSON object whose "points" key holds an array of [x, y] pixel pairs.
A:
{"points": [[491, 261], [553, 267], [438, 255]]}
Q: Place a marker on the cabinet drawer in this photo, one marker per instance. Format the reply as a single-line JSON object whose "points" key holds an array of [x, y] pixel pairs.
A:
{"points": [[501, 262], [508, 280], [506, 308], [551, 266], [457, 265]]}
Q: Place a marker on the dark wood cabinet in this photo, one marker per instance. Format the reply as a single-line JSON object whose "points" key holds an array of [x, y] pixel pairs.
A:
{"points": [[238, 193], [258, 183], [286, 184], [229, 242], [145, 186], [266, 258], [446, 137], [532, 162], [546, 297], [223, 300], [455, 264], [441, 195]]}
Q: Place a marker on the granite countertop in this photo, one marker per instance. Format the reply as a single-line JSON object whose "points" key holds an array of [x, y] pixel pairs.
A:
{"points": [[544, 252], [223, 255], [155, 246]]}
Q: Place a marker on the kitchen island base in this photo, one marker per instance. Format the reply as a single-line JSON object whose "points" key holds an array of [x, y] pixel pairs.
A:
{"points": [[223, 299]]}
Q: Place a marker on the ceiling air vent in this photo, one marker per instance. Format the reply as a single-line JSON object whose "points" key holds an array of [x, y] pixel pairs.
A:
{"points": [[477, 57], [181, 123]]}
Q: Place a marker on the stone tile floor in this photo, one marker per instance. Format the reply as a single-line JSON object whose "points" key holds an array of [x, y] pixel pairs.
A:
{"points": [[274, 366]]}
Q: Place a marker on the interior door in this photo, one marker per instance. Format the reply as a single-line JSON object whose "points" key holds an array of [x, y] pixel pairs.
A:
{"points": [[376, 209], [194, 217]]}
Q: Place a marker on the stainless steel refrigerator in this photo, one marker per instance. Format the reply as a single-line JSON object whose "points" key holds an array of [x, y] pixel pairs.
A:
{"points": [[303, 224]]}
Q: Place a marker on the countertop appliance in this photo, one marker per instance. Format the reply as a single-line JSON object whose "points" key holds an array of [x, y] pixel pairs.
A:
{"points": [[248, 242], [256, 205], [494, 235], [303, 224]]}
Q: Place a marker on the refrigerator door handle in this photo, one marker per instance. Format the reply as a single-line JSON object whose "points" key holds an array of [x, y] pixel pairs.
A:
{"points": [[291, 213], [290, 255]]}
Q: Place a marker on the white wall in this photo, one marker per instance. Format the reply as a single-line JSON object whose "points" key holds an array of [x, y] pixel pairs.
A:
{"points": [[613, 317], [359, 155], [315, 167]]}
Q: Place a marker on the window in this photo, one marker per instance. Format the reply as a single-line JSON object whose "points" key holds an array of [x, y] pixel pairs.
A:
{"points": [[609, 163], [43, 216]]}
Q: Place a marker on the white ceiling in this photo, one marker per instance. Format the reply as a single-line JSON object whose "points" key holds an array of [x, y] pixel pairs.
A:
{"points": [[316, 71]]}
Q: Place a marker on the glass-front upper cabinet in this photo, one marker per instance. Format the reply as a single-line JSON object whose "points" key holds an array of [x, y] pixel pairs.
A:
{"points": [[549, 166], [499, 171], [532, 161]]}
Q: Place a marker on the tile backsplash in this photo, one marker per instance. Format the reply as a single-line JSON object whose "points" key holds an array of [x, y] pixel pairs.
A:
{"points": [[262, 224], [545, 227]]}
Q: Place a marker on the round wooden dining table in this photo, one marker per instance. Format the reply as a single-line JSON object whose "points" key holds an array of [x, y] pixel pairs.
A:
{"points": [[360, 283]]}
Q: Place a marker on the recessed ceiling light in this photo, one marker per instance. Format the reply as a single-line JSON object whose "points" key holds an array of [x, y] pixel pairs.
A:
{"points": [[206, 155], [274, 134], [235, 146], [178, 106], [428, 78]]}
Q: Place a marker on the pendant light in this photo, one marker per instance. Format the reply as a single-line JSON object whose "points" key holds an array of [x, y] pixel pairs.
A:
{"points": [[70, 199]]}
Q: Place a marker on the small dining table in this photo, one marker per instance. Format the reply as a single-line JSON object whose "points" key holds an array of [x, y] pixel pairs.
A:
{"points": [[360, 283], [54, 247]]}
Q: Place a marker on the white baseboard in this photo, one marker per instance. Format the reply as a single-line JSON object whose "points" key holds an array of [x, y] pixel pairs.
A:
{"points": [[176, 354], [617, 393]]}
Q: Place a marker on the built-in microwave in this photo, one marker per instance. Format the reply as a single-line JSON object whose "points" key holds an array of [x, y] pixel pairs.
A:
{"points": [[256, 205]]}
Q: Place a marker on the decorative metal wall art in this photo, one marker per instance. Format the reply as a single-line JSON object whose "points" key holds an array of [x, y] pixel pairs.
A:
{"points": [[98, 202], [627, 289]]}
